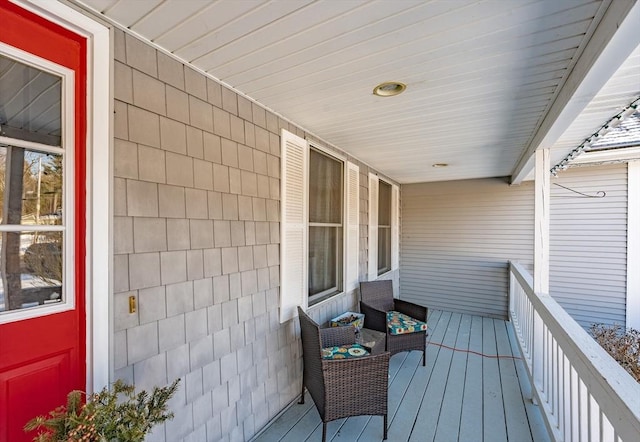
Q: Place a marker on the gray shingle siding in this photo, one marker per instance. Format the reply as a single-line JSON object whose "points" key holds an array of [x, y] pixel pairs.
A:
{"points": [[196, 242]]}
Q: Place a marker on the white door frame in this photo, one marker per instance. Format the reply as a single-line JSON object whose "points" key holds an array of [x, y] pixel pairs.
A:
{"points": [[98, 183]]}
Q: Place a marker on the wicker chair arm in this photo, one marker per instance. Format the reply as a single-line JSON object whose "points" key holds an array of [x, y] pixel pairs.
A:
{"points": [[414, 310], [374, 319], [336, 336], [358, 383]]}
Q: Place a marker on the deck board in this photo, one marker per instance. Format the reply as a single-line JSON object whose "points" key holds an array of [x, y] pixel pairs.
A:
{"points": [[449, 421], [459, 396], [494, 424], [427, 419], [471, 418], [537, 426], [514, 409]]}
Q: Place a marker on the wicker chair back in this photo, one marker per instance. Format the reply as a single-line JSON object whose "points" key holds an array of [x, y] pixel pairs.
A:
{"points": [[378, 294]]}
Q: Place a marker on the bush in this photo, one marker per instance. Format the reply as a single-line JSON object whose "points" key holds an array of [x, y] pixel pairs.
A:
{"points": [[623, 345], [112, 415]]}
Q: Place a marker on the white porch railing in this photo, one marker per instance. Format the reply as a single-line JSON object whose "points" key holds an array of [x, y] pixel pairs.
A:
{"points": [[584, 393]]}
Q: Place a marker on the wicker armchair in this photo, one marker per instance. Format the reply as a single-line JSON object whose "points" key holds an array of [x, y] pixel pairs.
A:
{"points": [[341, 387], [376, 299]]}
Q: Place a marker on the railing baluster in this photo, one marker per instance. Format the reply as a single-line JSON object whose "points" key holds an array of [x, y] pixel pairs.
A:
{"points": [[574, 381], [584, 412]]}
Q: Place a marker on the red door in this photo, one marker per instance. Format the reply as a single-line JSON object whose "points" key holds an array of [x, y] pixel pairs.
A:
{"points": [[42, 157]]}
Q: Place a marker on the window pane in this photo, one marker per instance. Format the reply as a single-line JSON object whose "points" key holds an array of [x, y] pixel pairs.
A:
{"points": [[325, 260], [384, 227], [30, 270], [325, 189], [384, 249], [384, 204], [30, 103], [30, 187]]}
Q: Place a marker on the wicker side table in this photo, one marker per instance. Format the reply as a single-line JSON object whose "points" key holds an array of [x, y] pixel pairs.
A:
{"points": [[373, 340]]}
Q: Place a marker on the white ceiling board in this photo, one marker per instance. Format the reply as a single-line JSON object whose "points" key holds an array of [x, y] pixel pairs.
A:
{"points": [[199, 26], [448, 40], [163, 18], [481, 75], [284, 29], [349, 28], [103, 5], [231, 41], [129, 12]]}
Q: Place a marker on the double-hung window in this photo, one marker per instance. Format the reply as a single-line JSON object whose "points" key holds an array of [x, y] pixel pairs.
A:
{"points": [[319, 225], [325, 225], [383, 227]]}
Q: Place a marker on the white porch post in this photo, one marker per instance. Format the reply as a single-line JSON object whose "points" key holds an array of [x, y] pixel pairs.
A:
{"points": [[633, 246], [540, 258], [541, 228]]}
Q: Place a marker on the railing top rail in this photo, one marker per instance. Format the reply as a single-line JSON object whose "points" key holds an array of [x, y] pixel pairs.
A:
{"points": [[604, 377]]}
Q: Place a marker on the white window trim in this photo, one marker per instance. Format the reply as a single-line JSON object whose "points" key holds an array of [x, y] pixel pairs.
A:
{"points": [[294, 290], [100, 363], [633, 245], [373, 228]]}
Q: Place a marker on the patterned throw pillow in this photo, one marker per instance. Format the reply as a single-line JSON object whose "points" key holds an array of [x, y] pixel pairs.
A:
{"points": [[399, 323], [344, 352]]}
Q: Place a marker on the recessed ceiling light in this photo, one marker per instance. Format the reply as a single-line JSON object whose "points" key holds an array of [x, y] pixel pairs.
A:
{"points": [[389, 89], [440, 165]]}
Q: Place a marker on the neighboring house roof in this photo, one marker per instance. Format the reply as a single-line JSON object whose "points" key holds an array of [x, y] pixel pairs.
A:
{"points": [[617, 140], [626, 134], [620, 144]]}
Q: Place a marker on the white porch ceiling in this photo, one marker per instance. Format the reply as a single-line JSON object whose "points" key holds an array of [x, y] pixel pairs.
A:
{"points": [[482, 76]]}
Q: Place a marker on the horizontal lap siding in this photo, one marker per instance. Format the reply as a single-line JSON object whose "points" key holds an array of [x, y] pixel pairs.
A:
{"points": [[589, 244], [457, 238]]}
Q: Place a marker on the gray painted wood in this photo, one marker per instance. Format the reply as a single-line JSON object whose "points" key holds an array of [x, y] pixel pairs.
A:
{"points": [[536, 422], [514, 400], [493, 408], [471, 418], [458, 396], [280, 427], [456, 240], [588, 239], [451, 411], [427, 415]]}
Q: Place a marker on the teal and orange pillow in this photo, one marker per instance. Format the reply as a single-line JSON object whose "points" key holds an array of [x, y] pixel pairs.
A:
{"points": [[344, 352], [399, 323]]}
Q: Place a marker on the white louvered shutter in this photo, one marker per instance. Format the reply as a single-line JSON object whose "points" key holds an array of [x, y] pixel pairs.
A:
{"points": [[353, 226], [373, 227], [294, 221], [395, 227]]}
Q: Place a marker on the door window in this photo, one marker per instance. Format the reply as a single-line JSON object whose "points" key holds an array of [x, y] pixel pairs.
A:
{"points": [[34, 167]]}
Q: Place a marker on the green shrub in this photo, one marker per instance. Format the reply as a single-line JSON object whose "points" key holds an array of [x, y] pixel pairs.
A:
{"points": [[115, 415], [623, 345]]}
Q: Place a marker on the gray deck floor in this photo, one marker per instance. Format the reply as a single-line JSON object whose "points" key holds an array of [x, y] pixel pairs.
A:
{"points": [[459, 396]]}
